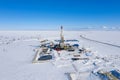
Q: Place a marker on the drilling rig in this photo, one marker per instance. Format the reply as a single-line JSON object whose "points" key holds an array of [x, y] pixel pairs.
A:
{"points": [[61, 35], [61, 43]]}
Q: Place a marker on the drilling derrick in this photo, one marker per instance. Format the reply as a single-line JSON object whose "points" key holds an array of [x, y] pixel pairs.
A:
{"points": [[61, 38], [61, 35]]}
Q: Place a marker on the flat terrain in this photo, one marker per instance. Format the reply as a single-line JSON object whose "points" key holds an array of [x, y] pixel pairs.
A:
{"points": [[17, 52]]}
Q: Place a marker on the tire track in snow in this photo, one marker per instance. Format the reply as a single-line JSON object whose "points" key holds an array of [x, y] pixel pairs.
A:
{"points": [[99, 42]]}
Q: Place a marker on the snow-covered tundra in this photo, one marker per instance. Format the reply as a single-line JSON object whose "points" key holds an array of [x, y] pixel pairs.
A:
{"points": [[17, 53]]}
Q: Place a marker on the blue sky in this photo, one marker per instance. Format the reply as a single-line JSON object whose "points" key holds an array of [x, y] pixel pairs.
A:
{"points": [[51, 14]]}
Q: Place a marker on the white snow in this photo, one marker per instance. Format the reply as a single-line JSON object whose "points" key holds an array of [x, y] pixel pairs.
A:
{"points": [[17, 53]]}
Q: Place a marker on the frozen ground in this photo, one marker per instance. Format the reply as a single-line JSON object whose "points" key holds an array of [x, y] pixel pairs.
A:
{"points": [[16, 53]]}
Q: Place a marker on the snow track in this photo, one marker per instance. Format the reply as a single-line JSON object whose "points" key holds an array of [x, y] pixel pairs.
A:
{"points": [[99, 42]]}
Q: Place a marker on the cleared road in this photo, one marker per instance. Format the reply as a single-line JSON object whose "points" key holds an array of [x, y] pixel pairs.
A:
{"points": [[99, 42]]}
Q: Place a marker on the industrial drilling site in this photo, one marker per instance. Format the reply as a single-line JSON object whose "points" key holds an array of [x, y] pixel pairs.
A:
{"points": [[64, 52]]}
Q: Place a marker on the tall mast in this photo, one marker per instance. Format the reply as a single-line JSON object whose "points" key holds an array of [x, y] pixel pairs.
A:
{"points": [[61, 35]]}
